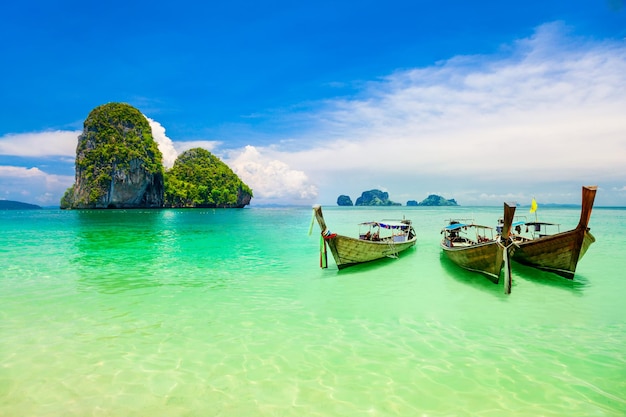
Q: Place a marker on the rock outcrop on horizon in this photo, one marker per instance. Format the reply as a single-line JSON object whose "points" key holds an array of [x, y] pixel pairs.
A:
{"points": [[434, 200], [375, 198], [17, 205], [118, 163], [344, 200], [199, 179], [119, 166]]}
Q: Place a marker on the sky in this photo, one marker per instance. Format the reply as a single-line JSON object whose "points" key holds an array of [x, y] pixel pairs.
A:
{"points": [[483, 102]]}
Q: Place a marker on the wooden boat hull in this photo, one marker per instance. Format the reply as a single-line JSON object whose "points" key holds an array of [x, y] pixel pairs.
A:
{"points": [[561, 252], [349, 251], [558, 253], [486, 258]]}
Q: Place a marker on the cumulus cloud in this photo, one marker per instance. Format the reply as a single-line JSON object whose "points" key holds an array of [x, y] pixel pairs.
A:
{"points": [[58, 147], [271, 180], [542, 115], [40, 144], [550, 109], [171, 149], [20, 172], [32, 185], [182, 146], [165, 144]]}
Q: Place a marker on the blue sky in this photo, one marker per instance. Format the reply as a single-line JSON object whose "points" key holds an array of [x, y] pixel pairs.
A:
{"points": [[478, 101]]}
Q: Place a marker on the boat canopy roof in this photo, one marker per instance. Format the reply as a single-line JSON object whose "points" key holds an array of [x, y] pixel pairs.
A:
{"points": [[543, 223], [456, 226], [390, 224], [523, 222]]}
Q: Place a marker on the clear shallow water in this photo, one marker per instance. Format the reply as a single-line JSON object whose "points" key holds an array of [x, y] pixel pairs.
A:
{"points": [[227, 313]]}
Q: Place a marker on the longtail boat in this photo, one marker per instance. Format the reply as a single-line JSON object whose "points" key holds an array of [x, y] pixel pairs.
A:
{"points": [[558, 252], [476, 248], [376, 240]]}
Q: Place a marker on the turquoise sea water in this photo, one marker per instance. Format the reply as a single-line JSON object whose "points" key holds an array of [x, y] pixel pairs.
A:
{"points": [[227, 313]]}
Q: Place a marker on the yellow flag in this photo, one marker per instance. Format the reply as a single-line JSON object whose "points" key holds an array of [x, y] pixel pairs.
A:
{"points": [[533, 206]]}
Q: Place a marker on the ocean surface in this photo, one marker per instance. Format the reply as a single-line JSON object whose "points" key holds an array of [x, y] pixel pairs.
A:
{"points": [[227, 313]]}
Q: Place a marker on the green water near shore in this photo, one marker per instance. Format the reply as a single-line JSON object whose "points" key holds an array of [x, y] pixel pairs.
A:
{"points": [[227, 313]]}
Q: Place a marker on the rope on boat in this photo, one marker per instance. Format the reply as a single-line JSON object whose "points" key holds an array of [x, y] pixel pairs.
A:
{"points": [[327, 234]]}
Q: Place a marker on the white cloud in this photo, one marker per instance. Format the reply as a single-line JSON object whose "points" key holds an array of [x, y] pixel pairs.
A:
{"points": [[36, 186], [542, 117], [63, 143], [40, 144], [20, 172], [32, 185], [550, 112], [271, 180], [165, 144], [182, 146], [171, 149]]}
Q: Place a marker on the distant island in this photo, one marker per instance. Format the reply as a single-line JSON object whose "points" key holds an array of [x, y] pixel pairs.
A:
{"points": [[16, 205], [344, 200], [119, 165], [433, 200], [380, 198], [368, 198], [375, 198]]}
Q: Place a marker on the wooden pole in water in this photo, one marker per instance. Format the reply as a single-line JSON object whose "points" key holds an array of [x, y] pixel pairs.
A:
{"points": [[507, 271], [323, 253], [311, 225], [505, 238], [317, 213]]}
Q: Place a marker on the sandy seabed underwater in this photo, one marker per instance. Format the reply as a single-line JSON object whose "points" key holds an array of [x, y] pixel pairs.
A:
{"points": [[227, 313]]}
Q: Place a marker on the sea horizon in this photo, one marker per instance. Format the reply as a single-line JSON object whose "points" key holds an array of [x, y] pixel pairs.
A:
{"points": [[272, 205]]}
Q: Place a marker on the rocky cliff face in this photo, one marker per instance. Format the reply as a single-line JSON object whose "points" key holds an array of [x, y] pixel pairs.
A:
{"points": [[132, 187], [118, 163], [374, 198], [243, 198]]}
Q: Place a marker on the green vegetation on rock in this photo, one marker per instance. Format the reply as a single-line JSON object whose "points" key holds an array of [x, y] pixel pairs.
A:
{"points": [[200, 179], [375, 198], [344, 200], [120, 133], [436, 200], [119, 165], [115, 152]]}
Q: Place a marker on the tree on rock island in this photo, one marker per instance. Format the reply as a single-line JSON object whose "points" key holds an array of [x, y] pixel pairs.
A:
{"points": [[199, 179], [118, 163]]}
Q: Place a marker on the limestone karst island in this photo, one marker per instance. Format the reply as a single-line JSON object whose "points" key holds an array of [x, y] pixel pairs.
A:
{"points": [[119, 165], [380, 198]]}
